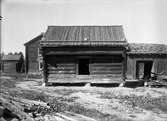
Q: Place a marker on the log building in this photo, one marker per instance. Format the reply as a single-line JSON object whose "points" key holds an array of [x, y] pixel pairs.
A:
{"points": [[97, 54], [84, 51]]}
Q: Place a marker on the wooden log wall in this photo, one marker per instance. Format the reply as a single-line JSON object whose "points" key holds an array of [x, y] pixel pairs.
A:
{"points": [[59, 66], [107, 65]]}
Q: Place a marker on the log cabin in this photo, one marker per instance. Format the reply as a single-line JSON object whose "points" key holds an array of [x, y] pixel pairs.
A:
{"points": [[74, 52], [92, 54]]}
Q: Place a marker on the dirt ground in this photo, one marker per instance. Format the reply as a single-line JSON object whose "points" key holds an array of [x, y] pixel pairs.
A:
{"points": [[102, 104]]}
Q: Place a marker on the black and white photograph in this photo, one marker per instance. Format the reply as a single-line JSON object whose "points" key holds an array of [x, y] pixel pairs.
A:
{"points": [[83, 60]]}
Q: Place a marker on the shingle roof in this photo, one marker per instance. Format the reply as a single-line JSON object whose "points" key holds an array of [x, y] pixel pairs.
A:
{"points": [[84, 35], [141, 48], [11, 57]]}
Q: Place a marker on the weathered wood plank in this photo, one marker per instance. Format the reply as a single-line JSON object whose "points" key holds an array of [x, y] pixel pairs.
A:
{"points": [[61, 76], [16, 109], [107, 69], [67, 118], [62, 72], [106, 72], [108, 64], [60, 64], [83, 52], [78, 117], [50, 68]]}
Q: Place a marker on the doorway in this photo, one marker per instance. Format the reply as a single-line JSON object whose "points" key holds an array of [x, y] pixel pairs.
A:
{"points": [[83, 67], [143, 69]]}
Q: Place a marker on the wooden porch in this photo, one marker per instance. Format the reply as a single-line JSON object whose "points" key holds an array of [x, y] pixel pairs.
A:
{"points": [[84, 80], [97, 82]]}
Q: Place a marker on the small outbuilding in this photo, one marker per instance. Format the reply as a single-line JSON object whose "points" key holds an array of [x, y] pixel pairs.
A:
{"points": [[32, 55], [144, 59], [13, 63]]}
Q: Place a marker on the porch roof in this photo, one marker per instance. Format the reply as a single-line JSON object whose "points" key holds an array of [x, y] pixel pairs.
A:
{"points": [[142, 48]]}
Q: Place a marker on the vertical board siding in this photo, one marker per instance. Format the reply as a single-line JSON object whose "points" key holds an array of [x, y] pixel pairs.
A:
{"points": [[160, 65], [33, 67], [32, 57], [130, 68]]}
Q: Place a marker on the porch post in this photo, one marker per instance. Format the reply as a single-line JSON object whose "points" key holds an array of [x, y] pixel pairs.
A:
{"points": [[124, 65], [44, 68]]}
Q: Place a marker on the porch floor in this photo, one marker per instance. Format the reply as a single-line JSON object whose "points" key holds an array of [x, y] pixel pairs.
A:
{"points": [[93, 81], [86, 79]]}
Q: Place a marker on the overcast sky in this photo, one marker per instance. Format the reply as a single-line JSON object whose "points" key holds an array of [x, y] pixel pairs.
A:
{"points": [[144, 21]]}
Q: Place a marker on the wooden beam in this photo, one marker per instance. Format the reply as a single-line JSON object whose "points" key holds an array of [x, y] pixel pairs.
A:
{"points": [[45, 75], [84, 52], [45, 67], [26, 59], [15, 108]]}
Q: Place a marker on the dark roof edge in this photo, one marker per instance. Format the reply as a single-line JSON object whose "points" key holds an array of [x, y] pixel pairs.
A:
{"points": [[85, 25], [34, 39], [147, 43], [129, 53]]}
